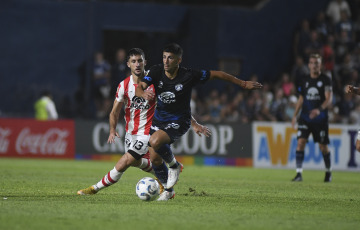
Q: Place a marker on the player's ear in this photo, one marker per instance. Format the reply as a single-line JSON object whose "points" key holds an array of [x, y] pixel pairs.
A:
{"points": [[145, 62], [128, 64], [180, 59]]}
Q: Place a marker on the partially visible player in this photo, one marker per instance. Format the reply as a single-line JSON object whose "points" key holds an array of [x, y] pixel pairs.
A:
{"points": [[315, 95], [138, 117], [354, 90], [173, 86]]}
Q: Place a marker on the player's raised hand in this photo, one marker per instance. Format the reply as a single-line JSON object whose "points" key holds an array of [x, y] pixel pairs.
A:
{"points": [[252, 85], [112, 136]]}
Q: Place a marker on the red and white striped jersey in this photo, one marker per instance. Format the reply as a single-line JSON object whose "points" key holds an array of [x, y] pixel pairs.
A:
{"points": [[138, 111]]}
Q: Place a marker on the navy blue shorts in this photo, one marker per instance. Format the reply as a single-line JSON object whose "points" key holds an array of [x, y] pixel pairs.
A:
{"points": [[320, 132], [174, 129]]}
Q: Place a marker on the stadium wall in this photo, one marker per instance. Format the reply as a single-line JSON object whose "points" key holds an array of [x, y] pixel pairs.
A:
{"points": [[260, 144], [230, 144]]}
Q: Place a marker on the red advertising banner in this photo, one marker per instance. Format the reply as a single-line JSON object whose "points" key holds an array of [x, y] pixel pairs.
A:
{"points": [[40, 139]]}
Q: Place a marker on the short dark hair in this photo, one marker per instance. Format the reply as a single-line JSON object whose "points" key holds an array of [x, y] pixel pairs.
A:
{"points": [[315, 55], [135, 51], [173, 48]]}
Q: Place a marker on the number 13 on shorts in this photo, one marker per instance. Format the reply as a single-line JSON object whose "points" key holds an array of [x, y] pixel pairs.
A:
{"points": [[137, 143]]}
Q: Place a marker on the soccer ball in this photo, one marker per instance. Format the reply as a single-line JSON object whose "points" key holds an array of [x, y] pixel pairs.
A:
{"points": [[147, 189]]}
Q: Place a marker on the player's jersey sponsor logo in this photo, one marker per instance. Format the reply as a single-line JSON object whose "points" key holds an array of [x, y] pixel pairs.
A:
{"points": [[313, 94], [139, 103], [178, 87], [167, 97]]}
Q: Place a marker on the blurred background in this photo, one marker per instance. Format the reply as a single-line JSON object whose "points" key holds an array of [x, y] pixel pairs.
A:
{"points": [[75, 49]]}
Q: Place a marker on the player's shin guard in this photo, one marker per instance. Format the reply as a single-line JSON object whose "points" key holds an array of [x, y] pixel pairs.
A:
{"points": [[299, 161], [327, 161], [161, 172], [109, 179]]}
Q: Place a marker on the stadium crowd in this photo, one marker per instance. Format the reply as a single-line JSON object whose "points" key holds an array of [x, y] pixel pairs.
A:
{"points": [[334, 33]]}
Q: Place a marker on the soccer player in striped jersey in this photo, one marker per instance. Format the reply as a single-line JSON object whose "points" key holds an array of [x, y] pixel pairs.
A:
{"points": [[138, 117], [173, 85]]}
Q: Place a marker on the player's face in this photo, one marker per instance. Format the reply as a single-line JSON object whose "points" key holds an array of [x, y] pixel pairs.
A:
{"points": [[315, 65], [136, 63], [171, 62]]}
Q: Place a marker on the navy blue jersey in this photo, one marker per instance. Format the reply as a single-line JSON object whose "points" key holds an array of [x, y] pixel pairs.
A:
{"points": [[313, 91], [173, 96]]}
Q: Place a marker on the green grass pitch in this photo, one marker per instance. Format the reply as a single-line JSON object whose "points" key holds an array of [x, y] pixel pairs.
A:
{"points": [[41, 194]]}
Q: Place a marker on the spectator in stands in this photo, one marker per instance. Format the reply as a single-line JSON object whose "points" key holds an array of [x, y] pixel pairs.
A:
{"points": [[345, 24], [286, 85], [345, 69], [101, 85], [322, 26], [314, 46], [119, 70], [346, 105], [302, 38], [45, 108], [277, 107], [299, 70], [290, 108], [335, 7], [215, 107]]}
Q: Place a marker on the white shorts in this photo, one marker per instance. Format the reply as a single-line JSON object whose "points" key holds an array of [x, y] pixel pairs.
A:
{"points": [[137, 145]]}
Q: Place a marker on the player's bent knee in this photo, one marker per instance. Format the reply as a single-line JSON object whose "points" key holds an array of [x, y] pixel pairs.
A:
{"points": [[155, 143]]}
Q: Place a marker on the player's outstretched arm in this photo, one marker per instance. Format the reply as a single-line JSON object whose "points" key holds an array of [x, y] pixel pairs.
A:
{"points": [[113, 119], [230, 78], [200, 129]]}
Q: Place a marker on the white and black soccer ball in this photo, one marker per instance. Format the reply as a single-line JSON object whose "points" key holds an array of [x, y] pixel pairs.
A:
{"points": [[147, 189]]}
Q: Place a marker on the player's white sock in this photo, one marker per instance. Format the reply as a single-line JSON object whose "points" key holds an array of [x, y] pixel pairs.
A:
{"points": [[299, 170], [146, 166], [173, 162], [110, 178]]}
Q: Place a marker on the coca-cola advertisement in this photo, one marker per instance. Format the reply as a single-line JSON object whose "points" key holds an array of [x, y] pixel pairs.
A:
{"points": [[41, 139]]}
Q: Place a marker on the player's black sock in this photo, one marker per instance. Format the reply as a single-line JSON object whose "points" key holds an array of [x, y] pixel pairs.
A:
{"points": [[327, 161], [161, 172], [166, 153], [299, 159]]}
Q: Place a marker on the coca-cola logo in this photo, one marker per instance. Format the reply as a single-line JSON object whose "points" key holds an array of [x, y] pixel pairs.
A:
{"points": [[52, 142], [4, 141]]}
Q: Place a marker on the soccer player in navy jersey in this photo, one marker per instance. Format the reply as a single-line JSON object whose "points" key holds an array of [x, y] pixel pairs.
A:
{"points": [[315, 95], [173, 85]]}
